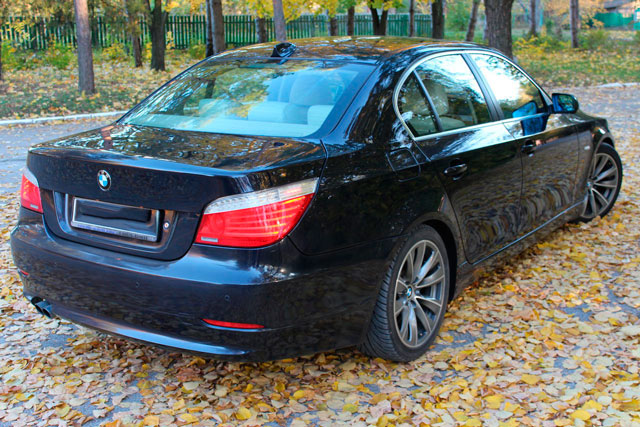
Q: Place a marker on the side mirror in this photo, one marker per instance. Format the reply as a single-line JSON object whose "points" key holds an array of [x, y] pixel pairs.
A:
{"points": [[564, 103]]}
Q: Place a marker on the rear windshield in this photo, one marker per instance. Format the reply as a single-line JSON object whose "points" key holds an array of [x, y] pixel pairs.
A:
{"points": [[267, 97]]}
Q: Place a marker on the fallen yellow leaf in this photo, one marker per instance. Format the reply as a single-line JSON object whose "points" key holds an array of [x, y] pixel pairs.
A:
{"points": [[151, 420], [494, 401], [581, 414], [530, 379], [350, 407], [243, 413]]}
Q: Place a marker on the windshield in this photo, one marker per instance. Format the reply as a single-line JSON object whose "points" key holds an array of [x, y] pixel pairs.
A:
{"points": [[291, 98]]}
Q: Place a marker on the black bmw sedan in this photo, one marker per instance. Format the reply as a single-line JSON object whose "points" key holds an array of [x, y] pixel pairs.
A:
{"points": [[284, 199]]}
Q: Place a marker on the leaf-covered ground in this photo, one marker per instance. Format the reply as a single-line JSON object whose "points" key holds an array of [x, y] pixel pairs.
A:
{"points": [[48, 91], [612, 62], [552, 338]]}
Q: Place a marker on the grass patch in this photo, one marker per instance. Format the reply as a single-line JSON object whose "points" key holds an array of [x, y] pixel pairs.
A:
{"points": [[48, 90], [614, 61]]}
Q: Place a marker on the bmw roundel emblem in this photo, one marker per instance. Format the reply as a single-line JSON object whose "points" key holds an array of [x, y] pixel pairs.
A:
{"points": [[104, 180]]}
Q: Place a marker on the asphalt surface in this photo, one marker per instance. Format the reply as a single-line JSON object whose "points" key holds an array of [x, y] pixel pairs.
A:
{"points": [[16, 140]]}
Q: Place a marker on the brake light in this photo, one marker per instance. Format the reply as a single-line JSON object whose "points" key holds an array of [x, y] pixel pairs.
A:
{"points": [[255, 219], [30, 192], [233, 325]]}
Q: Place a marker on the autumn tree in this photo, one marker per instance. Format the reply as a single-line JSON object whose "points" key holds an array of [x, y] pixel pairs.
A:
{"points": [[85, 55], [559, 12], [351, 19], [215, 27], [473, 20], [333, 7], [4, 12], [134, 9], [379, 18], [158, 33], [261, 9], [332, 11], [412, 18], [533, 28], [437, 19], [279, 22], [32, 9], [498, 15], [574, 19]]}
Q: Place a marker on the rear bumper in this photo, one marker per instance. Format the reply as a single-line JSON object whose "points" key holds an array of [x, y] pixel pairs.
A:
{"points": [[306, 304]]}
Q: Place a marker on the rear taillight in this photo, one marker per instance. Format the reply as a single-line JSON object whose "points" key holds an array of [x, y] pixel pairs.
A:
{"points": [[30, 192], [255, 219]]}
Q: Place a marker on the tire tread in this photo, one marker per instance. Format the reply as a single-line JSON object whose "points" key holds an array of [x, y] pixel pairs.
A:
{"points": [[378, 341]]}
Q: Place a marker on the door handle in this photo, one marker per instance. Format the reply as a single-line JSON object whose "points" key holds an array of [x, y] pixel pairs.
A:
{"points": [[455, 171], [529, 147]]}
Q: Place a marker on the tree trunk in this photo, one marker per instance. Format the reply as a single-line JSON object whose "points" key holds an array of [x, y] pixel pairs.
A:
{"points": [[333, 26], [158, 42], [412, 18], [485, 30], [1, 75], [351, 18], [85, 55], [575, 22], [533, 29], [473, 19], [137, 50], [215, 24], [261, 30], [498, 14], [437, 19], [209, 27], [279, 22], [379, 21], [133, 28]]}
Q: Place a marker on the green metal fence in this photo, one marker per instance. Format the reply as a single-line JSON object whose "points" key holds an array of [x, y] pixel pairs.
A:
{"points": [[190, 30], [614, 19]]}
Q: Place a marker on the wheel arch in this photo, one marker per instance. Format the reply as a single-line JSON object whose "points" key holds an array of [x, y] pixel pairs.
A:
{"points": [[446, 225], [451, 245]]}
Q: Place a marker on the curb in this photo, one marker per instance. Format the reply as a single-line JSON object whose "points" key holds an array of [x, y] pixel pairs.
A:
{"points": [[602, 86], [620, 84], [60, 118]]}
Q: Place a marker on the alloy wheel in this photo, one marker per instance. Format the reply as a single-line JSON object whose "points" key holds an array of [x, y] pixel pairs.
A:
{"points": [[602, 185], [419, 294]]}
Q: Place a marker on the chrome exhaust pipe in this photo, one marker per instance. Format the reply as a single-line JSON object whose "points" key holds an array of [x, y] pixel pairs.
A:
{"points": [[43, 307]]}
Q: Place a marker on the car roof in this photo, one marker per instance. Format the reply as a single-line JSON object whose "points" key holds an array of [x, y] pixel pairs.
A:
{"points": [[371, 49]]}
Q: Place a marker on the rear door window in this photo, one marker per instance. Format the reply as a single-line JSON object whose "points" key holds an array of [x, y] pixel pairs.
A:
{"points": [[454, 92], [415, 110]]}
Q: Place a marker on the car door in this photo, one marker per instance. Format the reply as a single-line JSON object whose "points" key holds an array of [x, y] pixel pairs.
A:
{"points": [[548, 141], [476, 158]]}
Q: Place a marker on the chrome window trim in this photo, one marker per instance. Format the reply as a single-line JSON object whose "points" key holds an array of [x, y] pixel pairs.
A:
{"points": [[411, 68]]}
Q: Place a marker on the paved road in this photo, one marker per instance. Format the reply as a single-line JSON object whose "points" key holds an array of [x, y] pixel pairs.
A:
{"points": [[16, 140]]}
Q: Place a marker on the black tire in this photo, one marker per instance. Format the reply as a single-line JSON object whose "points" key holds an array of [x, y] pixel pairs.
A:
{"points": [[383, 337], [611, 194]]}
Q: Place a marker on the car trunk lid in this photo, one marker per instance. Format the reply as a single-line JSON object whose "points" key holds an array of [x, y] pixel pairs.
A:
{"points": [[159, 182]]}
